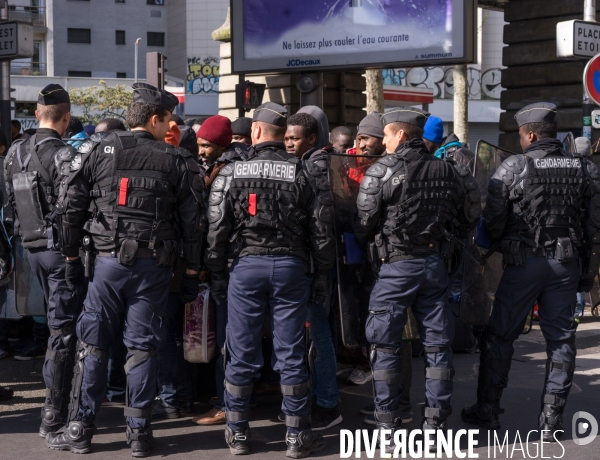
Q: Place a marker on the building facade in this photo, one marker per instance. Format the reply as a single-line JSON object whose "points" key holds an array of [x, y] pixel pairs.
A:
{"points": [[90, 38]]}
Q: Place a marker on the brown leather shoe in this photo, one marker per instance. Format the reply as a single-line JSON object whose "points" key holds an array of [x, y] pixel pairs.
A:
{"points": [[212, 417]]}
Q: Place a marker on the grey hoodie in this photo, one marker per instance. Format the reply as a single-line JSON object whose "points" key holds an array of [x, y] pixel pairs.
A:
{"points": [[319, 115]]}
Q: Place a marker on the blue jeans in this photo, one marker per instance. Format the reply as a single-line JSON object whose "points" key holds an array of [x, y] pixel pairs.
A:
{"points": [[174, 372], [221, 327], [324, 384], [580, 305]]}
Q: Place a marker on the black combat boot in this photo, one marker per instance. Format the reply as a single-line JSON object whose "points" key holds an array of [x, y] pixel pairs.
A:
{"points": [[551, 417], [303, 444], [76, 437], [141, 441], [393, 427], [435, 419], [388, 421], [483, 414], [238, 441], [51, 421]]}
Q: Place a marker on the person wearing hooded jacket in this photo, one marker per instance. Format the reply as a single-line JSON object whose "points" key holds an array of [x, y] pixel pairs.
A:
{"points": [[307, 137], [446, 148]]}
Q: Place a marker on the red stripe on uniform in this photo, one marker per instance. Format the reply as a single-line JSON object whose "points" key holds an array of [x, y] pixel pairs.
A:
{"points": [[123, 191], [252, 204]]}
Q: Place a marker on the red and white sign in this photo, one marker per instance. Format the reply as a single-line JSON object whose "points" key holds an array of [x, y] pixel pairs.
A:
{"points": [[591, 79], [406, 95]]}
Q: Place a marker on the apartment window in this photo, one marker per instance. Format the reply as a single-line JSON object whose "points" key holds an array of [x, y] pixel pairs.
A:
{"points": [[155, 2], [119, 37], [156, 39], [121, 75], [79, 73], [79, 35]]}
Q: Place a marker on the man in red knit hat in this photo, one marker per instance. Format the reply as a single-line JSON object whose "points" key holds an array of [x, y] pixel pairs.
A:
{"points": [[213, 138], [216, 150]]}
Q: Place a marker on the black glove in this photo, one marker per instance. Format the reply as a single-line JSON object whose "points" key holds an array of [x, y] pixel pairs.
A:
{"points": [[5, 267], [585, 284], [75, 276], [218, 286], [320, 291], [189, 288]]}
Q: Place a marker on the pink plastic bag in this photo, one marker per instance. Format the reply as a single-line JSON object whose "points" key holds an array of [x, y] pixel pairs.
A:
{"points": [[199, 337]]}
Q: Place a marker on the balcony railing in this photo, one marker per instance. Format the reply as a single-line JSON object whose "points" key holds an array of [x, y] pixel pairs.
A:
{"points": [[28, 68], [36, 15]]}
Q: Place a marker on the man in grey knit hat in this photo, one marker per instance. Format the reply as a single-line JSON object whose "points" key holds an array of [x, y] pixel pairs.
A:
{"points": [[369, 138]]}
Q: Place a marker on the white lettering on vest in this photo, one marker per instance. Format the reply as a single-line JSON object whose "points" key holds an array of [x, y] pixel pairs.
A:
{"points": [[265, 169], [547, 163]]}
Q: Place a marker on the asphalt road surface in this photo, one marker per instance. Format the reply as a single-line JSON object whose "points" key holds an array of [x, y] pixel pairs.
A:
{"points": [[179, 439]]}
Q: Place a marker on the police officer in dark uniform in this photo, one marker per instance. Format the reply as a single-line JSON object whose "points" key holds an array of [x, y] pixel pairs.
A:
{"points": [[542, 212], [413, 205], [32, 184], [270, 214], [145, 196]]}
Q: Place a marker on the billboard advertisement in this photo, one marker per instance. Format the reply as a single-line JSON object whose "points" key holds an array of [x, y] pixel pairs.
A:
{"points": [[302, 35]]}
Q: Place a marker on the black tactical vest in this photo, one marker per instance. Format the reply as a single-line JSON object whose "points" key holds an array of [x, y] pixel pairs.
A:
{"points": [[270, 213], [547, 201], [137, 199], [424, 213]]}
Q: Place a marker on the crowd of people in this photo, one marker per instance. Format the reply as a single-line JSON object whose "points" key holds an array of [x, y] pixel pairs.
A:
{"points": [[248, 207]]}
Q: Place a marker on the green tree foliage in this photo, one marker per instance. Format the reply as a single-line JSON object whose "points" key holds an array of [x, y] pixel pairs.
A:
{"points": [[98, 102]]}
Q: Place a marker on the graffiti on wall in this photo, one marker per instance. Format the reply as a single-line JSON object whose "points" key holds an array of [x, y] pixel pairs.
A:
{"points": [[484, 85], [203, 75]]}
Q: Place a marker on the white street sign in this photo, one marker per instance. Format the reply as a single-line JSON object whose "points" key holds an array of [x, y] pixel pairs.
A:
{"points": [[577, 39], [16, 40]]}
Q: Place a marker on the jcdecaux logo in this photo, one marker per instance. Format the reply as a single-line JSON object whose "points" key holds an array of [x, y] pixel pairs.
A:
{"points": [[300, 62]]}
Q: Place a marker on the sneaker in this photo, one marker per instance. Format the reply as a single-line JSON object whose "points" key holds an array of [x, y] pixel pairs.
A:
{"points": [[303, 444], [31, 352], [323, 418], [359, 377], [368, 410], [164, 410], [577, 320], [4, 354], [212, 417]]}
